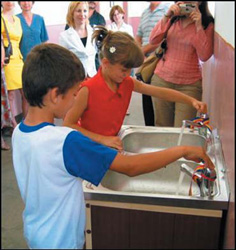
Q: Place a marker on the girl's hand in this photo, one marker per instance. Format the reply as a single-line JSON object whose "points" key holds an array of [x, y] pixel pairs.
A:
{"points": [[196, 17], [113, 142], [200, 106]]}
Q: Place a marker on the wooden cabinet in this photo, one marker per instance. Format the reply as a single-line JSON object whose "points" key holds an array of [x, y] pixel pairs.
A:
{"points": [[125, 227]]}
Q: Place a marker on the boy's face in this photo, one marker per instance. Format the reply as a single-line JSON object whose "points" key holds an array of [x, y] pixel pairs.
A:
{"points": [[65, 101]]}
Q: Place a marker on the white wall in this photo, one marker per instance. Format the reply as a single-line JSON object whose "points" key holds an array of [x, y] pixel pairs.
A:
{"points": [[225, 21], [54, 13]]}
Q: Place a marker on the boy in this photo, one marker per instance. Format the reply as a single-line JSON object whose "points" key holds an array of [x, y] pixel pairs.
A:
{"points": [[51, 161]]}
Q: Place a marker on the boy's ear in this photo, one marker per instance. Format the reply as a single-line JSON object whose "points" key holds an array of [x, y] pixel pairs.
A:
{"points": [[54, 95]]}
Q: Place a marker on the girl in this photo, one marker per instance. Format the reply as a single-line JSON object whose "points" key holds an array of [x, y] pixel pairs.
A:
{"points": [[102, 101]]}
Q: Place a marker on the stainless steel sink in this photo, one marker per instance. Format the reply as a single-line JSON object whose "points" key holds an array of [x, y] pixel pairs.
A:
{"points": [[165, 183], [139, 140], [162, 181]]}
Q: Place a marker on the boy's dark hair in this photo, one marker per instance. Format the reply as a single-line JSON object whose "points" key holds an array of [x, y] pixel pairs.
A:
{"points": [[50, 66]]}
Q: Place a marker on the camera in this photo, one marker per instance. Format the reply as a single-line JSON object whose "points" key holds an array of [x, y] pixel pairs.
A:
{"points": [[186, 8]]}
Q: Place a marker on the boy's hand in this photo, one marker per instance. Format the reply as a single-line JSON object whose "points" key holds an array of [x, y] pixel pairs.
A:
{"points": [[201, 107], [113, 142], [198, 154]]}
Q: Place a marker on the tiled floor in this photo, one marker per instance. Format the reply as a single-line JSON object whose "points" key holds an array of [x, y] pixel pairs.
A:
{"points": [[12, 205]]}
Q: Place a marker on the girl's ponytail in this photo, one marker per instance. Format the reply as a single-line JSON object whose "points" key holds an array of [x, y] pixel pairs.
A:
{"points": [[99, 36], [118, 47]]}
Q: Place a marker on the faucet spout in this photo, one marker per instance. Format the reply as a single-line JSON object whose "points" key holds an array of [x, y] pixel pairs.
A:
{"points": [[204, 179], [189, 171]]}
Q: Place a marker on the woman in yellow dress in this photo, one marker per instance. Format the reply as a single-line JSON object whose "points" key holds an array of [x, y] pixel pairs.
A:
{"points": [[13, 70]]}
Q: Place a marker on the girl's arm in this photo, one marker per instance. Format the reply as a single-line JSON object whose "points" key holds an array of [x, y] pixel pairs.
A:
{"points": [[168, 95], [73, 115], [144, 163]]}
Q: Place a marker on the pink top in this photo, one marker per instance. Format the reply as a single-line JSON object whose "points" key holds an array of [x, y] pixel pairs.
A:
{"points": [[106, 109], [186, 47]]}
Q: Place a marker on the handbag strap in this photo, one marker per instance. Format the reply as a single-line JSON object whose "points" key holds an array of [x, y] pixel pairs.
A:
{"points": [[173, 20], [5, 26], [163, 43]]}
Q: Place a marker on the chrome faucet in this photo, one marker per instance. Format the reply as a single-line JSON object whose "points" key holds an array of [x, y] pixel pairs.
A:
{"points": [[203, 128], [205, 181]]}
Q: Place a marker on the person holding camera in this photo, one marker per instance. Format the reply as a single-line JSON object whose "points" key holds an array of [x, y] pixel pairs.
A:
{"points": [[14, 65], [189, 41]]}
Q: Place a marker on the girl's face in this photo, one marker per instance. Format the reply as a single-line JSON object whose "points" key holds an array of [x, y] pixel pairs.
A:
{"points": [[8, 5], [81, 14], [26, 6], [118, 17], [117, 72]]}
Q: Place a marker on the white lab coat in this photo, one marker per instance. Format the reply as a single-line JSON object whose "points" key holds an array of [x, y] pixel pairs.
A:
{"points": [[124, 28], [70, 39]]}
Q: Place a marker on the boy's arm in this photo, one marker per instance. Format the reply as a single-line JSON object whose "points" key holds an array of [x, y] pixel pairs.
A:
{"points": [[73, 115], [169, 95], [144, 163]]}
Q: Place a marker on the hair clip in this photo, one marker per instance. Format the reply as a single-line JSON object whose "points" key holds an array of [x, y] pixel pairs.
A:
{"points": [[112, 50]]}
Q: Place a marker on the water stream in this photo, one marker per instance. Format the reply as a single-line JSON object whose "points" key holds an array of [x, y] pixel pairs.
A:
{"points": [[181, 134]]}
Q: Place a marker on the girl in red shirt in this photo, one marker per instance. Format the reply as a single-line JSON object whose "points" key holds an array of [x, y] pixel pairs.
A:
{"points": [[102, 101]]}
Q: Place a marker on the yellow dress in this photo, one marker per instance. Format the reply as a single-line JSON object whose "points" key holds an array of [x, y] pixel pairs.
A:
{"points": [[13, 71]]}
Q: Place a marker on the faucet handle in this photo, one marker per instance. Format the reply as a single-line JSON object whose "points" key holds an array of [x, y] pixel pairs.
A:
{"points": [[204, 116]]}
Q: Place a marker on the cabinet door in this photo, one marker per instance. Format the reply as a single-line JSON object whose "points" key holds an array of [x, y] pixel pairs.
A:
{"points": [[151, 230], [196, 232], [110, 228]]}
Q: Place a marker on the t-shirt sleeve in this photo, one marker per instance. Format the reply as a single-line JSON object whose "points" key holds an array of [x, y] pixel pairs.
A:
{"points": [[85, 158]]}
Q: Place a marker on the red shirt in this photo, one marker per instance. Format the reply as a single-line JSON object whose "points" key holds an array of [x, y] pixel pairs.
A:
{"points": [[186, 47], [106, 109]]}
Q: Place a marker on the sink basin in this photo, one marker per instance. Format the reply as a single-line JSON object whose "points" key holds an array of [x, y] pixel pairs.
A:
{"points": [[162, 181], [168, 185], [152, 139]]}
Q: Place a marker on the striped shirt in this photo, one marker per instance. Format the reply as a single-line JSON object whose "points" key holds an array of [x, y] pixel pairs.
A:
{"points": [[186, 48], [148, 21]]}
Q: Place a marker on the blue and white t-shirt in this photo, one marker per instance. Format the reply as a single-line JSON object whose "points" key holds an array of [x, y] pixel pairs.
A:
{"points": [[50, 163]]}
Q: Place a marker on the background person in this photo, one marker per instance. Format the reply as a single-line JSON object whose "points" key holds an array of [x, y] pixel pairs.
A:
{"points": [[95, 18], [189, 40], [33, 27], [13, 70], [78, 38], [117, 21], [7, 120], [148, 20]]}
